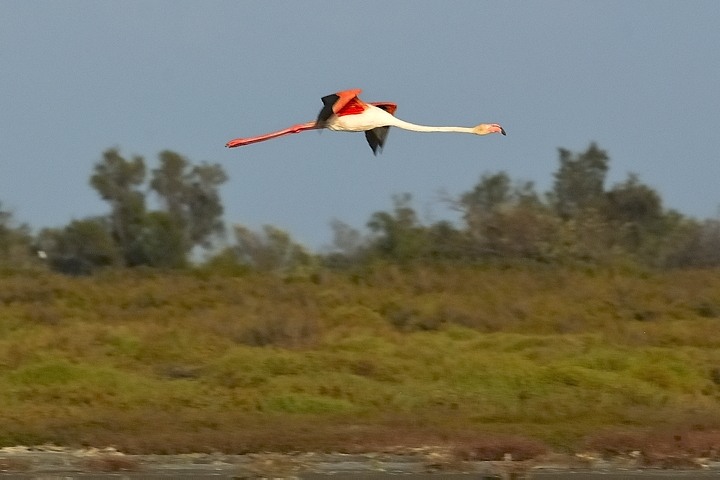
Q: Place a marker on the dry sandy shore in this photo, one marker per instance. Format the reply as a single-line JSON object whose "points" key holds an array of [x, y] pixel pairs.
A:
{"points": [[51, 463]]}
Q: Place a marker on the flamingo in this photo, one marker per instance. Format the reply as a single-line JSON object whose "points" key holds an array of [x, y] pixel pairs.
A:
{"points": [[345, 112]]}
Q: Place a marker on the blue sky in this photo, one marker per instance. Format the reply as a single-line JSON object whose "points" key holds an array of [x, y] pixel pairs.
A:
{"points": [[640, 78]]}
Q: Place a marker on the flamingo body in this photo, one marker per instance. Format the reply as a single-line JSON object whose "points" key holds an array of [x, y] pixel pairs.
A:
{"points": [[370, 117], [345, 112]]}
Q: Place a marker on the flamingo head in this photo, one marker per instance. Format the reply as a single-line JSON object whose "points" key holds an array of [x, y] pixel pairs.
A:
{"points": [[486, 128]]}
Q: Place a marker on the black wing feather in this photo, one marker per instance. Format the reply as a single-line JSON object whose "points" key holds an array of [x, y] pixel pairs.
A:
{"points": [[327, 110], [376, 138]]}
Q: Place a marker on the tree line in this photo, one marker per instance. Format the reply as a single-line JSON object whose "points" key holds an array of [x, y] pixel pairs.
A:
{"points": [[579, 220]]}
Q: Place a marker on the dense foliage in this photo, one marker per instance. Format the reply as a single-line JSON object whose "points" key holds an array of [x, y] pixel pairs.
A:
{"points": [[364, 359], [556, 319], [579, 220]]}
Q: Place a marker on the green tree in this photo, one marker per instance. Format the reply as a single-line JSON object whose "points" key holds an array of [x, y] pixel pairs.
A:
{"points": [[578, 200], [118, 181], [579, 181], [506, 219], [191, 209], [398, 234], [635, 215], [272, 249], [190, 197], [478, 206], [446, 242], [696, 244], [492, 192], [15, 241], [80, 247], [161, 242], [349, 246]]}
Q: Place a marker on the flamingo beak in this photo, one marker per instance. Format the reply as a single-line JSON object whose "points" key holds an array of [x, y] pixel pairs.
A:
{"points": [[502, 130]]}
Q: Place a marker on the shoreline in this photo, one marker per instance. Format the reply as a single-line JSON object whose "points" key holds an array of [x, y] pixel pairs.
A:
{"points": [[55, 462]]}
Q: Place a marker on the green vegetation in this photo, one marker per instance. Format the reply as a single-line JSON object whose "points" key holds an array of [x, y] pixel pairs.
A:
{"points": [[582, 318], [380, 356], [580, 220]]}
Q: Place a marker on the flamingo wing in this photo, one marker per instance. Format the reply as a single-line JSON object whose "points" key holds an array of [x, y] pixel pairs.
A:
{"points": [[376, 137], [387, 106], [340, 103]]}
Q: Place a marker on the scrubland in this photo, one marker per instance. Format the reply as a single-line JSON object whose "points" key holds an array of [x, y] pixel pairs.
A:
{"points": [[487, 359]]}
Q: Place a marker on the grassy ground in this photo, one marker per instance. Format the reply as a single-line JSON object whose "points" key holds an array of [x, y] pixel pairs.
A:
{"points": [[489, 359]]}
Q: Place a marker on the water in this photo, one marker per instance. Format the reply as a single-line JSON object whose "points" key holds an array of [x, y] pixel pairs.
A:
{"points": [[56, 463]]}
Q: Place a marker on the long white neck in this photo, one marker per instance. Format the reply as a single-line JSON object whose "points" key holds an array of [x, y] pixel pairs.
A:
{"points": [[396, 122]]}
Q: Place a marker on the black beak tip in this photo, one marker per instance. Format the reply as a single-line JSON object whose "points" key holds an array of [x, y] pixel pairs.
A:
{"points": [[502, 130]]}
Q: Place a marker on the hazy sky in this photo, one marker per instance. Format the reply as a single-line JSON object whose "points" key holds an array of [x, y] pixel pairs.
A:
{"points": [[641, 78]]}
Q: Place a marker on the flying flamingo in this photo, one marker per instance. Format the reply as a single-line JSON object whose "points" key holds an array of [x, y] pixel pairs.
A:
{"points": [[345, 112]]}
